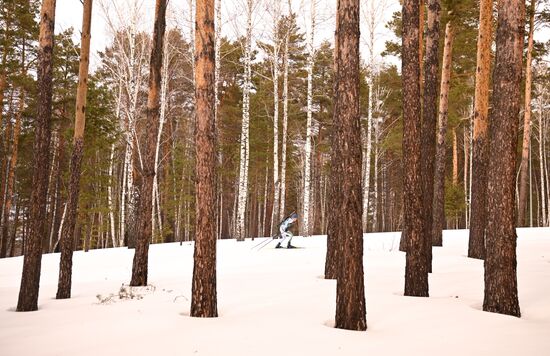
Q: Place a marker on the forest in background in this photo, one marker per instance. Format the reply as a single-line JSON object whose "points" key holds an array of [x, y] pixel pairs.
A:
{"points": [[273, 158]]}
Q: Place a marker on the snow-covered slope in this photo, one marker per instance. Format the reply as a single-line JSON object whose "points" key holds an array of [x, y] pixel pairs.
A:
{"points": [[276, 302]]}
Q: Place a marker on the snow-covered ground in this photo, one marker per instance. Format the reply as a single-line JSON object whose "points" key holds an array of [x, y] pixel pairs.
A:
{"points": [[276, 302]]}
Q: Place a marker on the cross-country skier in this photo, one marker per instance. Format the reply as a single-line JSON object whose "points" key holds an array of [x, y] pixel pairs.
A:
{"points": [[283, 229]]}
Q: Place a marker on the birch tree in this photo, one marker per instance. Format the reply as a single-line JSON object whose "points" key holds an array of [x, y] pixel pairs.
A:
{"points": [[309, 125], [373, 13], [245, 130]]}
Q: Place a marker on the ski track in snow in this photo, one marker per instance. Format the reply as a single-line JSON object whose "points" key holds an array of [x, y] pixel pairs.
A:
{"points": [[276, 302]]}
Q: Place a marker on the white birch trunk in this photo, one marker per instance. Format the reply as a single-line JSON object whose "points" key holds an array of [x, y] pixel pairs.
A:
{"points": [[275, 62], [282, 194], [240, 229], [110, 198], [309, 126]]}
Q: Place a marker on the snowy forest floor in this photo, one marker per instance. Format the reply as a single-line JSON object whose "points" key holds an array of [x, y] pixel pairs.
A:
{"points": [[276, 302]]}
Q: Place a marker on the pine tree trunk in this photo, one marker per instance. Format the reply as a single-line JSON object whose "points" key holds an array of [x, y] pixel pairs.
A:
{"points": [[204, 295], [524, 164], [350, 290], [429, 121], [67, 232], [476, 244], [30, 279], [501, 295], [416, 271], [148, 170], [439, 174]]}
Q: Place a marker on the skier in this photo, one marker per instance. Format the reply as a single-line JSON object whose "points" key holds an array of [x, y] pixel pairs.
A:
{"points": [[283, 229]]}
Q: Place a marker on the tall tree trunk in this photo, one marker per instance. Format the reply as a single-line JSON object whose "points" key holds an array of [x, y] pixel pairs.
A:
{"points": [[455, 157], [14, 230], [282, 194], [204, 295], [67, 232], [30, 278], [501, 295], [476, 244], [526, 120], [11, 174], [306, 230], [439, 178], [416, 271], [543, 196], [148, 170], [276, 181], [245, 130], [429, 121], [334, 252], [465, 175], [350, 290]]}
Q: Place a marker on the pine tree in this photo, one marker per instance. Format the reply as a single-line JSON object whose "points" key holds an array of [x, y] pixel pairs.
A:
{"points": [[429, 121], [67, 233], [501, 295], [416, 271], [204, 295], [30, 279], [439, 177], [350, 290], [148, 169]]}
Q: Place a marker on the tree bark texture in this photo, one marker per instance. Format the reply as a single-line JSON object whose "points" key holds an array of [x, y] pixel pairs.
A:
{"points": [[148, 170], [30, 279], [67, 231], [204, 297], [439, 177], [524, 165], [416, 271], [501, 295], [476, 243], [350, 290], [429, 121]]}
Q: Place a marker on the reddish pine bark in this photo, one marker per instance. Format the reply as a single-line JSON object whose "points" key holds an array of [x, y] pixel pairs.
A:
{"points": [[144, 227], [501, 295], [67, 231], [350, 289], [30, 278], [204, 295]]}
